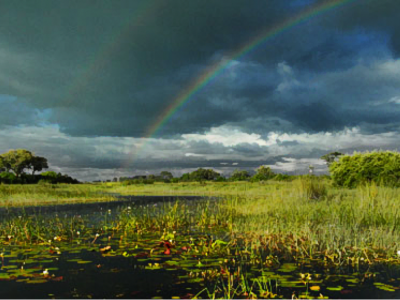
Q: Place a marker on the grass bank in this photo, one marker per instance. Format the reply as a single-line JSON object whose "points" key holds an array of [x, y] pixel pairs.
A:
{"points": [[48, 194]]}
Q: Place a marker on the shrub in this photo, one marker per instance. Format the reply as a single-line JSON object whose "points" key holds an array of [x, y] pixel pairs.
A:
{"points": [[7, 177], [383, 168], [312, 188], [239, 175], [283, 177]]}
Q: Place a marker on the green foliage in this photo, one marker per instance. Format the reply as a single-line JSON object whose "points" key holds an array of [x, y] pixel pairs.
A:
{"points": [[17, 160], [7, 177], [263, 173], [381, 167], [283, 177], [239, 175], [37, 164], [2, 164], [53, 177], [203, 175], [49, 174], [221, 179], [165, 175], [185, 177]]}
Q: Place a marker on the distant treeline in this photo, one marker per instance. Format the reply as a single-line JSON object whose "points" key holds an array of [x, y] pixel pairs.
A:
{"points": [[200, 175], [15, 164]]}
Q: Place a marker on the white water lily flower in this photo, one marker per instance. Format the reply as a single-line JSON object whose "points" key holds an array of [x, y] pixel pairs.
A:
{"points": [[45, 272]]}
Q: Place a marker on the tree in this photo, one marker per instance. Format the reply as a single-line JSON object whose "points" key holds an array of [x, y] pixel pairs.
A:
{"points": [[238, 175], [203, 174], [17, 161], [166, 175], [331, 157], [263, 173], [37, 164]]}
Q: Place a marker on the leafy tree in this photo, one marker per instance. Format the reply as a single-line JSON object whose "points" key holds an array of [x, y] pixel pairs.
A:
{"points": [[203, 174], [263, 173], [37, 164], [381, 167], [185, 177], [166, 175], [239, 175], [331, 157], [17, 161]]}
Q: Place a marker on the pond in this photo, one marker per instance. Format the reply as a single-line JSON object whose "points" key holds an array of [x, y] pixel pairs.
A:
{"points": [[162, 247]]}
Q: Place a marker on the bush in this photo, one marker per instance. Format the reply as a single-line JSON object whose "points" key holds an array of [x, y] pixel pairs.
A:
{"points": [[7, 177], [383, 168], [283, 177], [239, 175], [312, 188]]}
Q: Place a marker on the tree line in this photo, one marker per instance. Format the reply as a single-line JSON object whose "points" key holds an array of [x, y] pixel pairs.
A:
{"points": [[19, 166], [263, 173]]}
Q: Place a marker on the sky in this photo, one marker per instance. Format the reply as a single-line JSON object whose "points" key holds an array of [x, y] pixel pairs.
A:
{"points": [[85, 83]]}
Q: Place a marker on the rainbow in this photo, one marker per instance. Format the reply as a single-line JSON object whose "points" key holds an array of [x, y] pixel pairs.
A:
{"points": [[212, 72]]}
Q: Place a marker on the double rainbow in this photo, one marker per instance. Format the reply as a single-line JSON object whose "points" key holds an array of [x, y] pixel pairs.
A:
{"points": [[207, 76]]}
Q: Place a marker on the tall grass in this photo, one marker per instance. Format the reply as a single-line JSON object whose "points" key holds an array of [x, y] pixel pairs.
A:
{"points": [[39, 194]]}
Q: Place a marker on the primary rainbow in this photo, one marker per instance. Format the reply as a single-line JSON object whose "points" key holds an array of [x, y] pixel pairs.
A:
{"points": [[215, 70]]}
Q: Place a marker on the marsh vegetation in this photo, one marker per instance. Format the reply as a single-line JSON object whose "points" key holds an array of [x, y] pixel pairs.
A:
{"points": [[304, 239]]}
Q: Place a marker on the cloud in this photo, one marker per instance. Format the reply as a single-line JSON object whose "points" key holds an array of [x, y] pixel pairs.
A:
{"points": [[98, 157], [226, 136]]}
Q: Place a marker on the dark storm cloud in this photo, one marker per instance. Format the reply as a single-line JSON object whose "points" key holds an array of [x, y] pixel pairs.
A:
{"points": [[111, 68], [372, 15]]}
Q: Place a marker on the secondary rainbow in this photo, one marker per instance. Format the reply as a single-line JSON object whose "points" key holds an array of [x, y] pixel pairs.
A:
{"points": [[208, 75], [102, 55]]}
